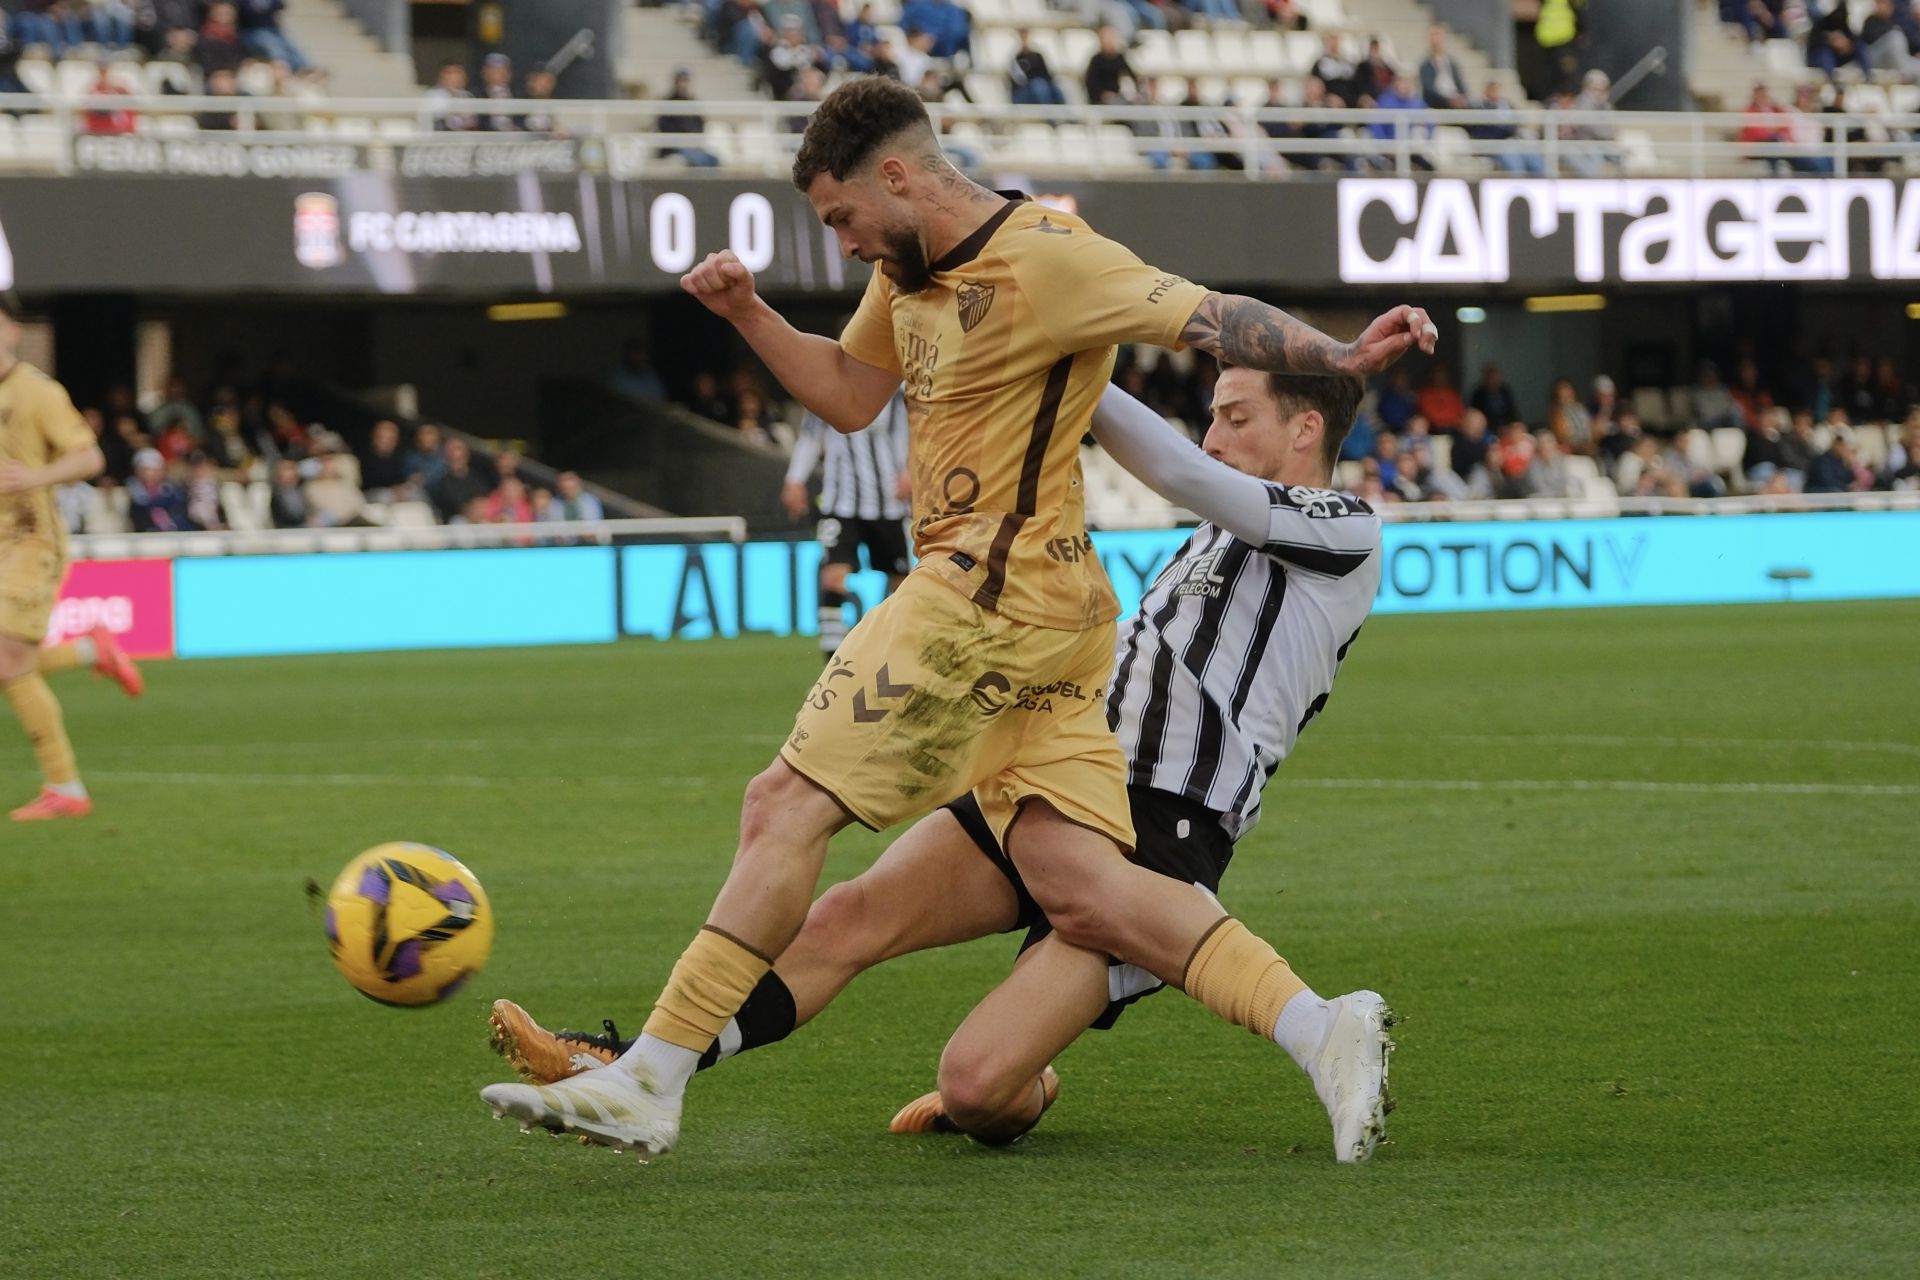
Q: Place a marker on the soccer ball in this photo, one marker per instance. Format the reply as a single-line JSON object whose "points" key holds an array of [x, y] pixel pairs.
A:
{"points": [[408, 924]]}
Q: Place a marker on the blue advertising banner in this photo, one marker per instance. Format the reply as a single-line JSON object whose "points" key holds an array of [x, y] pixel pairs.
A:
{"points": [[240, 605], [715, 589], [343, 603]]}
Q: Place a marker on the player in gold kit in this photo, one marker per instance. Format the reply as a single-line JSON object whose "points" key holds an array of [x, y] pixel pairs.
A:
{"points": [[44, 442], [1000, 318]]}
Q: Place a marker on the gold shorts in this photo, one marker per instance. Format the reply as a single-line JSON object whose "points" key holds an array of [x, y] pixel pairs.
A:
{"points": [[931, 697], [30, 575]]}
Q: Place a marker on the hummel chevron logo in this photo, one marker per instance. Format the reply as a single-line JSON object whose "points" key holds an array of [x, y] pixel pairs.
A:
{"points": [[882, 688]]}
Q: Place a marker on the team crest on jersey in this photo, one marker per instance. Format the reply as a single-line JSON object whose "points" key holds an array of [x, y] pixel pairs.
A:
{"points": [[975, 299]]}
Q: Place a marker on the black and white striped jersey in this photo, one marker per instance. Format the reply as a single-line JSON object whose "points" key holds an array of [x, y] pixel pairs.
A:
{"points": [[1235, 647], [860, 469]]}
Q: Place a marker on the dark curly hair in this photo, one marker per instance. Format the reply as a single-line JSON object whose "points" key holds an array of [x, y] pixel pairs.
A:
{"points": [[851, 123], [1336, 395]]}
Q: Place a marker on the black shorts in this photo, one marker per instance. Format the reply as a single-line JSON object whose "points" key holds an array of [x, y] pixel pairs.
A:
{"points": [[1174, 836], [841, 537]]}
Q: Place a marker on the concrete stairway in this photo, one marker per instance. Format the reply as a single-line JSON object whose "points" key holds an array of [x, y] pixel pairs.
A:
{"points": [[1726, 67], [357, 67], [657, 41], [1404, 23]]}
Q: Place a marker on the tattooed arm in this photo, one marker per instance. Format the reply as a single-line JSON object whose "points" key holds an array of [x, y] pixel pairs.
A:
{"points": [[1246, 332]]}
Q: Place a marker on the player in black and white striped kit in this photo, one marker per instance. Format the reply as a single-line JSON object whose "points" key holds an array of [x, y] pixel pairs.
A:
{"points": [[863, 503], [1232, 654]]}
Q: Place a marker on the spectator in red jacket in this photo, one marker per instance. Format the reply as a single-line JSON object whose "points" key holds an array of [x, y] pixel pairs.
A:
{"points": [[1440, 402]]}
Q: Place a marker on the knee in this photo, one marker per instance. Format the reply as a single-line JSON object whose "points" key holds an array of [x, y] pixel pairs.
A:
{"points": [[844, 929], [771, 794], [976, 1091], [17, 659]]}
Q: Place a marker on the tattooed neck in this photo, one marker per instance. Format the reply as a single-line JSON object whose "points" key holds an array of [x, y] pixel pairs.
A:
{"points": [[954, 185]]}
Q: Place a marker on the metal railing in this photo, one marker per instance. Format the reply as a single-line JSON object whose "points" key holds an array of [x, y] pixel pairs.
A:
{"points": [[759, 137], [452, 537], [440, 537]]}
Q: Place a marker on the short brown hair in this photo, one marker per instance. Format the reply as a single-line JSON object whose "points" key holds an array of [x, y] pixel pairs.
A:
{"points": [[851, 123], [1335, 395]]}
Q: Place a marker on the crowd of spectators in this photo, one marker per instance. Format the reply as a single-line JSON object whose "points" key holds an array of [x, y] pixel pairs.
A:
{"points": [[1884, 43], [177, 459], [795, 49], [1799, 428], [456, 107], [212, 37]]}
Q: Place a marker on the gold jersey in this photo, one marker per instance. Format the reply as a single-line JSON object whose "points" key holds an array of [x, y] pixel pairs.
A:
{"points": [[38, 424], [1003, 359]]}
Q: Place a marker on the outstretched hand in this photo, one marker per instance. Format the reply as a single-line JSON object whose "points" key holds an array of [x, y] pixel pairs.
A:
{"points": [[722, 283], [1391, 336]]}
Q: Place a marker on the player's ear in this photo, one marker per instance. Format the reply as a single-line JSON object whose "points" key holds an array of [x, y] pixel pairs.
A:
{"points": [[1313, 429], [892, 174]]}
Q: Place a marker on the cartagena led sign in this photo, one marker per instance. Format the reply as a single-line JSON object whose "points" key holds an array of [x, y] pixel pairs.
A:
{"points": [[1675, 231]]}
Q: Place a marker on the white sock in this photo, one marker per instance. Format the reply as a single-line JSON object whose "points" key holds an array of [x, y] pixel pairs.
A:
{"points": [[729, 1042], [1302, 1027], [667, 1065], [74, 790], [87, 650]]}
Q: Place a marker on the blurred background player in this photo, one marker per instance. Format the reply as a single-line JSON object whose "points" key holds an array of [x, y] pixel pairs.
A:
{"points": [[44, 443], [864, 489], [1232, 654]]}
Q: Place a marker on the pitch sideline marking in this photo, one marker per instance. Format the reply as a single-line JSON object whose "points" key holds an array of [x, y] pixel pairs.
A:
{"points": [[1607, 784], [477, 782]]}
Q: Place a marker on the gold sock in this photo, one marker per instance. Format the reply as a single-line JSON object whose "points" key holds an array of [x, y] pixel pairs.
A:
{"points": [[1240, 977], [39, 714], [59, 657], [712, 979]]}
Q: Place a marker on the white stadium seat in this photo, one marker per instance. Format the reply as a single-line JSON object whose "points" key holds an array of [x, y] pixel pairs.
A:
{"points": [[1115, 147], [1870, 446], [1154, 55], [72, 77], [1230, 52], [995, 48], [1193, 52], [1729, 450], [1077, 47], [1048, 43], [168, 77], [37, 75], [1698, 447], [1302, 50]]}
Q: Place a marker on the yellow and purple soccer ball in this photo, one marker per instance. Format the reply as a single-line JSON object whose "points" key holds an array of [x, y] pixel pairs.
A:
{"points": [[408, 924]]}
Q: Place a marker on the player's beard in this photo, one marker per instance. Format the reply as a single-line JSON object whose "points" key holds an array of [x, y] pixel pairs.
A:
{"points": [[911, 273]]}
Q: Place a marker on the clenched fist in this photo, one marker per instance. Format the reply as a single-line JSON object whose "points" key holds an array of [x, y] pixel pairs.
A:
{"points": [[723, 285]]}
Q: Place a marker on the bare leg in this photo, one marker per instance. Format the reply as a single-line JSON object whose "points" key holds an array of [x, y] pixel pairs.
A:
{"points": [[1099, 900], [990, 1071], [931, 888], [785, 823]]}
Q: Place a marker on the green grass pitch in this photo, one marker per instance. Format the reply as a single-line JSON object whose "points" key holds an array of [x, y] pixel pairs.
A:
{"points": [[1643, 885]]}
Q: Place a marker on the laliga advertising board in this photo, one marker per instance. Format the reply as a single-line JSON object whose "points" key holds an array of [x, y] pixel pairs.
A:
{"points": [[131, 598]]}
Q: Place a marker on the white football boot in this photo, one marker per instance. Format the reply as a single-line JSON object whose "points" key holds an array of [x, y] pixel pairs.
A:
{"points": [[1350, 1074], [611, 1106]]}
